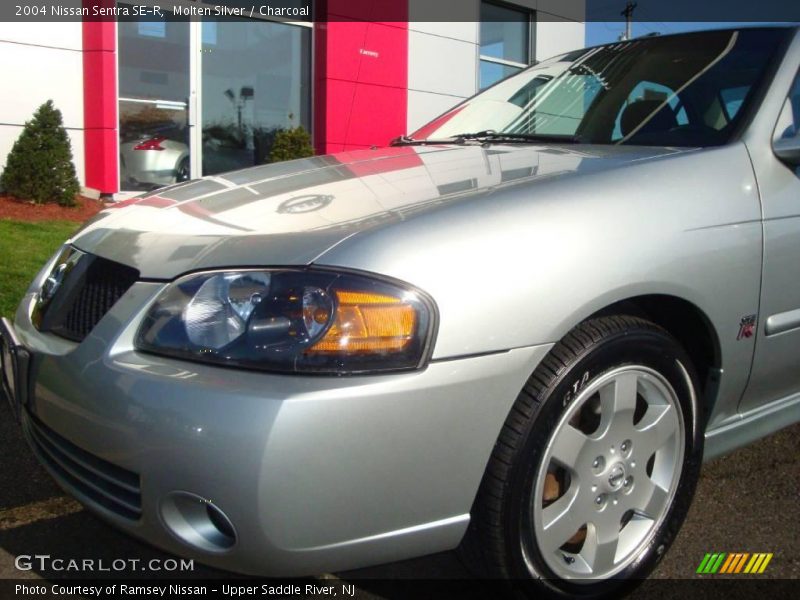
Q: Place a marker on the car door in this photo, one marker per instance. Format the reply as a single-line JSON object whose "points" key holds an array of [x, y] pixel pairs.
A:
{"points": [[776, 366]]}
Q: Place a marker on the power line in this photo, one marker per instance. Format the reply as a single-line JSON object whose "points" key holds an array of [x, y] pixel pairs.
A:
{"points": [[664, 27]]}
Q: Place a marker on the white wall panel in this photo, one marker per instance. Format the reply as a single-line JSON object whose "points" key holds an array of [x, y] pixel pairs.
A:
{"points": [[57, 35], [556, 36], [426, 106], [37, 74], [466, 31], [442, 65]]}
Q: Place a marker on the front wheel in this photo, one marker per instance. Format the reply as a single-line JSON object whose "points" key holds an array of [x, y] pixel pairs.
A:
{"points": [[182, 171], [596, 465]]}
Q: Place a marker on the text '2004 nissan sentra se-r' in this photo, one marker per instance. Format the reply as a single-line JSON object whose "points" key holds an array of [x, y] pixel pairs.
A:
{"points": [[519, 330]]}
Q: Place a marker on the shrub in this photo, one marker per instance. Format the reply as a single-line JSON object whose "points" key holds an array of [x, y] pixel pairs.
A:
{"points": [[39, 166], [291, 143]]}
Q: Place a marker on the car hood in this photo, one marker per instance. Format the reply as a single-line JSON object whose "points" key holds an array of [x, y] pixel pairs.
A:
{"points": [[291, 213]]}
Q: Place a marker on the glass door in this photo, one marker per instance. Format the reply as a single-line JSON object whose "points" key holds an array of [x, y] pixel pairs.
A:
{"points": [[206, 97], [254, 82], [154, 103]]}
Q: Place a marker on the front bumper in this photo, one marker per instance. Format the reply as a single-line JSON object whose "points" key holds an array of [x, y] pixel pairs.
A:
{"points": [[315, 474], [14, 360]]}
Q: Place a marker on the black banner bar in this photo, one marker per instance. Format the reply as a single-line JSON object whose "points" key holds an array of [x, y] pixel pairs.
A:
{"points": [[646, 11], [735, 588]]}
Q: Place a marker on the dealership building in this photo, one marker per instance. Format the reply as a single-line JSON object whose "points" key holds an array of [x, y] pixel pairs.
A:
{"points": [[151, 101]]}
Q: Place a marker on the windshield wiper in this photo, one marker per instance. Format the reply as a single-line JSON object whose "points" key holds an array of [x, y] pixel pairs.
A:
{"points": [[498, 136], [490, 136], [404, 140]]}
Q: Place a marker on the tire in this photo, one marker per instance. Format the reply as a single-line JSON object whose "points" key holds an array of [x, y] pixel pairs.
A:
{"points": [[580, 441], [182, 171]]}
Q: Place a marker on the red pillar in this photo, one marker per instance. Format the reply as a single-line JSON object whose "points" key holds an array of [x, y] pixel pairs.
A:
{"points": [[101, 138]]}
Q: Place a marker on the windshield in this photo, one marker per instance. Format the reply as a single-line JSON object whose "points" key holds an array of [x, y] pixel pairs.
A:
{"points": [[684, 90]]}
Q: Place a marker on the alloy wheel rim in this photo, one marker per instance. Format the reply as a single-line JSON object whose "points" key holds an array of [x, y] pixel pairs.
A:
{"points": [[609, 474]]}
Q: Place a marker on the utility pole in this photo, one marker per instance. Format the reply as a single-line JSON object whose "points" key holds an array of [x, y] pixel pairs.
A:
{"points": [[628, 14]]}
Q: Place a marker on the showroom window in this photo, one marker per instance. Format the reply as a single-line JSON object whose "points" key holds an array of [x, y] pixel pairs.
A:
{"points": [[154, 92], [255, 82], [507, 39], [203, 97]]}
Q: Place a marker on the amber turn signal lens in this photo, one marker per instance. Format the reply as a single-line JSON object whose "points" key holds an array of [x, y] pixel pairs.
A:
{"points": [[366, 323]]}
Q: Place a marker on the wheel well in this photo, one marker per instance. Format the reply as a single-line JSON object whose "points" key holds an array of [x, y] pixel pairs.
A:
{"points": [[686, 323]]}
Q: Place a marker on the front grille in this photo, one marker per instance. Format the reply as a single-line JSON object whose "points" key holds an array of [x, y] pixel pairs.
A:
{"points": [[87, 293], [105, 283], [106, 484]]}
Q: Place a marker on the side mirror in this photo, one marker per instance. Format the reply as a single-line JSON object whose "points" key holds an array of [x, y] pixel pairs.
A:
{"points": [[788, 150]]}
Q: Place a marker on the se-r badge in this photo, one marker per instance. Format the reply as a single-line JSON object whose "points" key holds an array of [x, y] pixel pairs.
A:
{"points": [[747, 327]]}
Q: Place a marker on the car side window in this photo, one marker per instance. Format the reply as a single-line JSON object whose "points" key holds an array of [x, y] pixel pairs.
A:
{"points": [[789, 121], [649, 90], [723, 106], [732, 99]]}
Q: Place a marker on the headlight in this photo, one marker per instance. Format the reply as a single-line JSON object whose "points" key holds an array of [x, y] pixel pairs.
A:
{"points": [[291, 321]]}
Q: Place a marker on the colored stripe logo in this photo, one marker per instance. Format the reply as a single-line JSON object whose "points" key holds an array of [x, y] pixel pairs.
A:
{"points": [[734, 562]]}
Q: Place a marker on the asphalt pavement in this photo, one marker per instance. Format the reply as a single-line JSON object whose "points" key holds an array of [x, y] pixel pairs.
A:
{"points": [[747, 501]]}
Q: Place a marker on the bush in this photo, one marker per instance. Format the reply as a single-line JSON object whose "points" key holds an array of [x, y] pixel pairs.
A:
{"points": [[39, 166], [291, 143]]}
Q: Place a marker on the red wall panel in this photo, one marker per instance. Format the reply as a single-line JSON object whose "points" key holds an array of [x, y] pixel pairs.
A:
{"points": [[361, 76]]}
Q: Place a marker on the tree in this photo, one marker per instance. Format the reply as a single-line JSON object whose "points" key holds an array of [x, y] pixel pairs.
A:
{"points": [[291, 143], [39, 166]]}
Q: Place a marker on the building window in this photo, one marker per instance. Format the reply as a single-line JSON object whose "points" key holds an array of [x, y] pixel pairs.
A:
{"points": [[507, 42]]}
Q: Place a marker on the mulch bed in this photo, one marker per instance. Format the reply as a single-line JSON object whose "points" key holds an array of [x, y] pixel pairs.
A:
{"points": [[24, 210]]}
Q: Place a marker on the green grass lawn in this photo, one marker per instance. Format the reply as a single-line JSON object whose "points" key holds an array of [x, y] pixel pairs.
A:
{"points": [[24, 248]]}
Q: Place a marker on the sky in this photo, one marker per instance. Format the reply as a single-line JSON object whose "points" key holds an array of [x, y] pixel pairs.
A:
{"points": [[600, 32], [605, 21]]}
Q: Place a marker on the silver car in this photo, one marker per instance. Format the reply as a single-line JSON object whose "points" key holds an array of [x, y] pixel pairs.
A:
{"points": [[153, 161], [518, 331]]}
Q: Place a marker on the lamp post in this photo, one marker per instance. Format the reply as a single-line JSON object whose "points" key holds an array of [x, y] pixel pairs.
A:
{"points": [[245, 93]]}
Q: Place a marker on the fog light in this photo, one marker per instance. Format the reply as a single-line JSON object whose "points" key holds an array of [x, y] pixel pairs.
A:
{"points": [[197, 522]]}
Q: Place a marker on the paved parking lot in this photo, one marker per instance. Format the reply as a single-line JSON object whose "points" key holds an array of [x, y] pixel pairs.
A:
{"points": [[748, 501]]}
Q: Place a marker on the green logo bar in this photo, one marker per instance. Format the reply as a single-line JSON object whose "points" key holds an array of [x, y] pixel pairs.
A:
{"points": [[718, 564], [711, 562], [702, 567]]}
